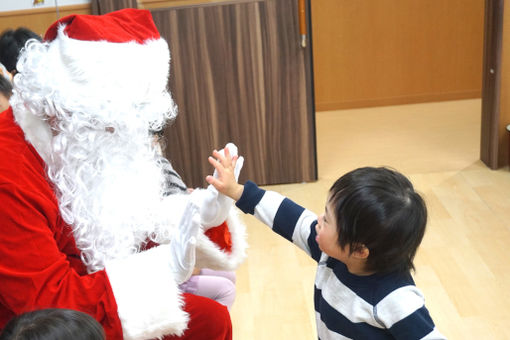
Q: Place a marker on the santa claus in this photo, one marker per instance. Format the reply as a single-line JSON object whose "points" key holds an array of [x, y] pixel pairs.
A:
{"points": [[85, 222]]}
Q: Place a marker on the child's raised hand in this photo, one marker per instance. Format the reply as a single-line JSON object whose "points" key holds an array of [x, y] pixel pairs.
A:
{"points": [[227, 170]]}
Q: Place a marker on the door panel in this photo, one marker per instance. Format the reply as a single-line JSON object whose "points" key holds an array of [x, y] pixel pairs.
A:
{"points": [[238, 73]]}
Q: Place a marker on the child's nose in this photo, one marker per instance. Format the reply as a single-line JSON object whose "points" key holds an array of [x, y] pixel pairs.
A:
{"points": [[320, 220]]}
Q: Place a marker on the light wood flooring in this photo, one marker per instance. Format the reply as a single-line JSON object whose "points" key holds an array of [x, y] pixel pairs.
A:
{"points": [[463, 264]]}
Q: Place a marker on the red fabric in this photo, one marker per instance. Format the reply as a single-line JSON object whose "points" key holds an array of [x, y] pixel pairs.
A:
{"points": [[117, 27], [221, 236], [40, 266], [207, 315]]}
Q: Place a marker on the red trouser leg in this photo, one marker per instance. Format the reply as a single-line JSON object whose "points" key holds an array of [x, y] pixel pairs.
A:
{"points": [[209, 320]]}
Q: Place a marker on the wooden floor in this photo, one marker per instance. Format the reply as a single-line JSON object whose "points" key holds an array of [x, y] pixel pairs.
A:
{"points": [[463, 265]]}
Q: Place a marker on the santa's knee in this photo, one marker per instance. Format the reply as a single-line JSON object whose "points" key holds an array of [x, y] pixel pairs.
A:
{"points": [[219, 318], [209, 320]]}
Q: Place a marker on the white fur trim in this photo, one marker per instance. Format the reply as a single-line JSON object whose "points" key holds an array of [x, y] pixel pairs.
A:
{"points": [[209, 255], [37, 132], [148, 299], [137, 72]]}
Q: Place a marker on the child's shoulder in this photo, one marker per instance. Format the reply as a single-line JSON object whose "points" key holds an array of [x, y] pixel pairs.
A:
{"points": [[389, 288], [394, 286]]}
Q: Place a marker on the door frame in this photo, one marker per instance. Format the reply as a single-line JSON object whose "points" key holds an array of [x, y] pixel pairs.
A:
{"points": [[491, 83]]}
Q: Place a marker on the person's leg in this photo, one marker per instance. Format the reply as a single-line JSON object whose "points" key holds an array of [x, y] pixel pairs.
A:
{"points": [[210, 272], [217, 288], [209, 320]]}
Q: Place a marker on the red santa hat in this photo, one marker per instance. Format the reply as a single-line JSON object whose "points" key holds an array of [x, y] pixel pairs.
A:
{"points": [[119, 53], [119, 27]]}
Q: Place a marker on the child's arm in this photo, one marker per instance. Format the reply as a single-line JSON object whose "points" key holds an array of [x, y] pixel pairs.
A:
{"points": [[283, 216]]}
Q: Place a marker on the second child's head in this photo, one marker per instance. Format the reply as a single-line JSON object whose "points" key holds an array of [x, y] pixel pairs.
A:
{"points": [[12, 41], [53, 324], [379, 217]]}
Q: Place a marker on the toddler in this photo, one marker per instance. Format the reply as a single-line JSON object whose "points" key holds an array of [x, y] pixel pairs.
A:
{"points": [[364, 244]]}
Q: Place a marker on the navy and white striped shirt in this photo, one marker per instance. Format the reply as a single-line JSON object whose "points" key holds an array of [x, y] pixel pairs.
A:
{"points": [[347, 306]]}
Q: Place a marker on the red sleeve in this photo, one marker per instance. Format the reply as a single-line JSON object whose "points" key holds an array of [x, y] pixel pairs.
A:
{"points": [[37, 269]]}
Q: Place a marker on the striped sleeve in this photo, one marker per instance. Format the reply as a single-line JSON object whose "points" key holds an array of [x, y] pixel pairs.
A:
{"points": [[410, 320], [286, 218]]}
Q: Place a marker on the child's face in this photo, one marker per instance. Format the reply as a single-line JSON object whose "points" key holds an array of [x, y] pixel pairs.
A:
{"points": [[4, 103], [327, 235]]}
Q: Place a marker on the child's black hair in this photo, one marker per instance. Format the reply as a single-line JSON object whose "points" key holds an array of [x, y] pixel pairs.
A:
{"points": [[378, 208], [11, 44], [53, 324]]}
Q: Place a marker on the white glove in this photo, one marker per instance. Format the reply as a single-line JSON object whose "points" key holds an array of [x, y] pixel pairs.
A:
{"points": [[183, 244], [214, 206]]}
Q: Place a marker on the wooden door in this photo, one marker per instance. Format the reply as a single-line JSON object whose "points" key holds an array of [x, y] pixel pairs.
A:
{"points": [[239, 74]]}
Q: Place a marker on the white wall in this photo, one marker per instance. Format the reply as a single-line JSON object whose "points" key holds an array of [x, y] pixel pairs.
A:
{"points": [[14, 5]]}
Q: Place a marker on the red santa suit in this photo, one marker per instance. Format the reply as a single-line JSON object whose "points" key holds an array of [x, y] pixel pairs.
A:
{"points": [[134, 296]]}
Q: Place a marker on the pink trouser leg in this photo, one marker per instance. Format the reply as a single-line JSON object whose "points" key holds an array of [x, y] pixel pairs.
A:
{"points": [[216, 285]]}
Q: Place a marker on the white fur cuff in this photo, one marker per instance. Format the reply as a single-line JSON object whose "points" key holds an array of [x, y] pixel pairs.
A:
{"points": [[148, 299], [209, 254]]}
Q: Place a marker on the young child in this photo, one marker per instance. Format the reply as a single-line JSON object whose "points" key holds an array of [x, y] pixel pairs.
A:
{"points": [[53, 324], [364, 243]]}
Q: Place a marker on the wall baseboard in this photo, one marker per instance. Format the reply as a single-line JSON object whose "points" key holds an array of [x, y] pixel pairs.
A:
{"points": [[413, 99]]}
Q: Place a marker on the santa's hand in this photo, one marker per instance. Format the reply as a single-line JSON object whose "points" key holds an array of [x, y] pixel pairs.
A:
{"points": [[183, 244], [215, 206]]}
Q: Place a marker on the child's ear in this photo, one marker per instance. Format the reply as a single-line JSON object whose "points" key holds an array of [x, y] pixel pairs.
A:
{"points": [[361, 252]]}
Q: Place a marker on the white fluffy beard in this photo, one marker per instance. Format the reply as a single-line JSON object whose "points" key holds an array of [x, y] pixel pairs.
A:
{"points": [[109, 188]]}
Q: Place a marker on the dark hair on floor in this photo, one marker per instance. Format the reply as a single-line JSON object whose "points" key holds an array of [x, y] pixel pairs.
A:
{"points": [[53, 324], [379, 208]]}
